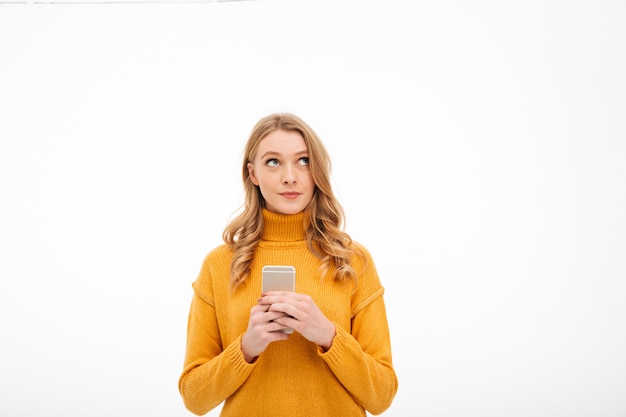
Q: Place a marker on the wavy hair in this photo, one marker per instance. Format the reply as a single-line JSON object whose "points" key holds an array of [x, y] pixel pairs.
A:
{"points": [[324, 218]]}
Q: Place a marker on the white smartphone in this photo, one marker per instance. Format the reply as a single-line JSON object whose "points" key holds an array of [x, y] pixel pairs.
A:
{"points": [[279, 278]]}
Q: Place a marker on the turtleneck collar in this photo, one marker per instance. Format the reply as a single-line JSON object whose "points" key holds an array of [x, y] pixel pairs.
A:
{"points": [[283, 227]]}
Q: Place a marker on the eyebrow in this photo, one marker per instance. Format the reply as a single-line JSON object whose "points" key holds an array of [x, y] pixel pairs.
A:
{"points": [[274, 153]]}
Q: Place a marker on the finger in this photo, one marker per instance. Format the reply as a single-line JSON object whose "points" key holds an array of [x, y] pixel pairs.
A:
{"points": [[290, 294], [275, 327], [259, 308], [273, 315], [287, 321], [285, 309], [274, 299]]}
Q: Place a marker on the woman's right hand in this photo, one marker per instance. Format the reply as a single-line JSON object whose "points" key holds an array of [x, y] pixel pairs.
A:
{"points": [[262, 331]]}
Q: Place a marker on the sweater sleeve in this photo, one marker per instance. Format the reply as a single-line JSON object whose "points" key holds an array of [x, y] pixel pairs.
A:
{"points": [[211, 373], [360, 357], [362, 360]]}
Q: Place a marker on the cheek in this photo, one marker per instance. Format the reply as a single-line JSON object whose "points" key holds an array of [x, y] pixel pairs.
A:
{"points": [[264, 180], [310, 182], [266, 183]]}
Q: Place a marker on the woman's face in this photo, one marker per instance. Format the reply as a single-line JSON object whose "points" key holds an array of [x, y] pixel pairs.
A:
{"points": [[281, 170]]}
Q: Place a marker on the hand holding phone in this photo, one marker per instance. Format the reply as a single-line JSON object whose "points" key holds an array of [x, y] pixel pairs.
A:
{"points": [[279, 278]]}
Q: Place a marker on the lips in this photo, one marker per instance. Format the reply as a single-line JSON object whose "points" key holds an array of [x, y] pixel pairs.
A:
{"points": [[290, 194]]}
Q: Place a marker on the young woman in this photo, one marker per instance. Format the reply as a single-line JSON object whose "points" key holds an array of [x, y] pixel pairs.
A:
{"points": [[337, 362]]}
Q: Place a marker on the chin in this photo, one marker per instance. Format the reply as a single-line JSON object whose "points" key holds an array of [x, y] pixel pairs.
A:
{"points": [[285, 209], [291, 211]]}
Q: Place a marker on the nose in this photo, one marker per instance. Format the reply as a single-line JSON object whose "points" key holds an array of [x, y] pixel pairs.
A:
{"points": [[288, 175]]}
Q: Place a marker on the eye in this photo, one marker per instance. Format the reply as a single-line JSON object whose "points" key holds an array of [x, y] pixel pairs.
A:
{"points": [[272, 162], [303, 161]]}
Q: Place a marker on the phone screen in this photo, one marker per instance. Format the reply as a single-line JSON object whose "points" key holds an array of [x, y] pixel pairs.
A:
{"points": [[279, 278]]}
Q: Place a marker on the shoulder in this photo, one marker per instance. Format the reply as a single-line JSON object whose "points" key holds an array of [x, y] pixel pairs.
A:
{"points": [[358, 246], [368, 284], [215, 270], [362, 258], [364, 266], [217, 261], [219, 254]]}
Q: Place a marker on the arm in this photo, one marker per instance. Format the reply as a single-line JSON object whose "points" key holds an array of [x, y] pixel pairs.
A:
{"points": [[361, 359], [359, 353], [211, 373]]}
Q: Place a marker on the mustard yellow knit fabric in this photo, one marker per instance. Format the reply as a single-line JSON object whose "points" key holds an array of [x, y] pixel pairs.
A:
{"points": [[294, 377]]}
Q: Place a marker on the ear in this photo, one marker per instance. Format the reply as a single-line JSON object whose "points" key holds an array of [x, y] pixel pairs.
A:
{"points": [[253, 177]]}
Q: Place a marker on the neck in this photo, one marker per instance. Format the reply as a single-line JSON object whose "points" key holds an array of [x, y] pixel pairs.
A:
{"points": [[283, 227]]}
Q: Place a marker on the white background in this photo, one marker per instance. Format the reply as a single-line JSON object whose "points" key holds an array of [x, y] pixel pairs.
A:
{"points": [[478, 149]]}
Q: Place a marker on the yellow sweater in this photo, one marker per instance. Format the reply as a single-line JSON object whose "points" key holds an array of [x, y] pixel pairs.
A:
{"points": [[295, 377]]}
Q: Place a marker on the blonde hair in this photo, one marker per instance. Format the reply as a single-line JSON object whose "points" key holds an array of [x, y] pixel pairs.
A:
{"points": [[324, 216]]}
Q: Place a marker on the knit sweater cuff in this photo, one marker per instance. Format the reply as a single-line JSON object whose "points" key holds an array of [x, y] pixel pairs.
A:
{"points": [[341, 343], [235, 357]]}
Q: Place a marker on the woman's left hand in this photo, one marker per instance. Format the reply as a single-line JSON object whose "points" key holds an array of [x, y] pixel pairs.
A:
{"points": [[302, 315]]}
